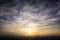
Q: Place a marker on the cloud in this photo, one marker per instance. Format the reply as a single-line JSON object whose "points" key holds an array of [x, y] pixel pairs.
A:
{"points": [[38, 15], [29, 16], [29, 19]]}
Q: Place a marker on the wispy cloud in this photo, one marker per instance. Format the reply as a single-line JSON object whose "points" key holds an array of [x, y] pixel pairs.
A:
{"points": [[30, 15]]}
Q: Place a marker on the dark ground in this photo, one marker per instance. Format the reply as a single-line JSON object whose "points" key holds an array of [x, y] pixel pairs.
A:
{"points": [[6, 37]]}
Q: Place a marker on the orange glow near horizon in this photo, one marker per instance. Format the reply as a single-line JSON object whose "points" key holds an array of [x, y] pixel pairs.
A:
{"points": [[36, 32], [32, 32]]}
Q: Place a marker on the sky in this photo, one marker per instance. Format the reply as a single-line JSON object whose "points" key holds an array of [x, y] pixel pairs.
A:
{"points": [[21, 17]]}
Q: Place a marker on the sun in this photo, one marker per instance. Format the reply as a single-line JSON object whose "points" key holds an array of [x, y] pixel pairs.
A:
{"points": [[30, 31]]}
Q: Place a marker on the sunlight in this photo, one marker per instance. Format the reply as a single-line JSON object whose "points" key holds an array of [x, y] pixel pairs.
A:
{"points": [[29, 31]]}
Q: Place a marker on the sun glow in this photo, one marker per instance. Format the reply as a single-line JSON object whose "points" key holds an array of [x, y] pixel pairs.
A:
{"points": [[29, 31]]}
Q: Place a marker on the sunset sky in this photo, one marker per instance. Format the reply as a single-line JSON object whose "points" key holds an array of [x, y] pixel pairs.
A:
{"points": [[30, 17]]}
